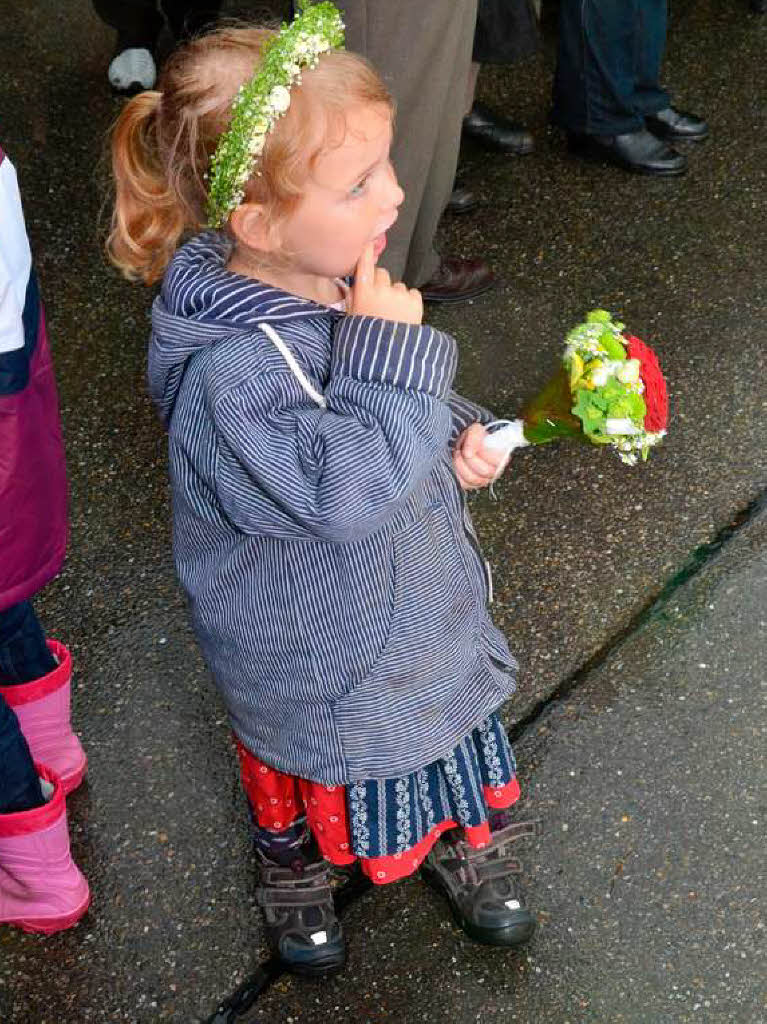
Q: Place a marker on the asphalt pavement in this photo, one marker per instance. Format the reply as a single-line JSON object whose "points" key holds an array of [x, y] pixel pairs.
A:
{"points": [[634, 598]]}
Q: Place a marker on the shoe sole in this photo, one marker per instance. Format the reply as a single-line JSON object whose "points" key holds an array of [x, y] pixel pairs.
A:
{"points": [[679, 138], [460, 209], [447, 300], [601, 158], [318, 968], [51, 925], [132, 90], [478, 140], [71, 782], [512, 936]]}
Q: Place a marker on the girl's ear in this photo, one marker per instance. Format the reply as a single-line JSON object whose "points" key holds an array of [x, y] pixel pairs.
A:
{"points": [[251, 228]]}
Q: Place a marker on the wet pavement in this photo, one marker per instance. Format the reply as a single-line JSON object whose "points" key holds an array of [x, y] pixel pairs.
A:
{"points": [[647, 764]]}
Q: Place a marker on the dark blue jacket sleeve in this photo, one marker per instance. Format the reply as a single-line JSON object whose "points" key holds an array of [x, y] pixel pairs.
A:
{"points": [[338, 471], [464, 414]]}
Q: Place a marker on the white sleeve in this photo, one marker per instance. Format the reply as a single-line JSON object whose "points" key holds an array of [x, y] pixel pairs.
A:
{"points": [[15, 260]]}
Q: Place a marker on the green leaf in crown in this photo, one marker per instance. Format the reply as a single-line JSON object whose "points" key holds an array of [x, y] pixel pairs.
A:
{"points": [[262, 101]]}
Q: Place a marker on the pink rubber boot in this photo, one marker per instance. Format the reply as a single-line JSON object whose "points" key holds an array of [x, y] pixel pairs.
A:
{"points": [[41, 888], [43, 709]]}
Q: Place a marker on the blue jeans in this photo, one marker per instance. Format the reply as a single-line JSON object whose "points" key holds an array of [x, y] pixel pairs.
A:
{"points": [[608, 65], [19, 783], [24, 656]]}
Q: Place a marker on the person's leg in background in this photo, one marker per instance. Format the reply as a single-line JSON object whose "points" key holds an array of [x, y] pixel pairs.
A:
{"points": [[37, 687], [493, 130], [594, 81], [138, 24], [424, 56], [653, 102], [602, 49], [24, 656], [506, 32], [187, 19]]}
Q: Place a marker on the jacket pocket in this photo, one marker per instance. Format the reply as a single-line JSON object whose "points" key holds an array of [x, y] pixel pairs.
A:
{"points": [[432, 655], [343, 595]]}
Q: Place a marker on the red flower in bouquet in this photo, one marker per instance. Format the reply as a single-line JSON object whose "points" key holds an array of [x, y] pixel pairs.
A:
{"points": [[655, 394], [608, 390]]}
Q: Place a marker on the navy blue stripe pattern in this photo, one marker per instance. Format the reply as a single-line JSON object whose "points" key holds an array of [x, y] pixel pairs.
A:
{"points": [[333, 577]]}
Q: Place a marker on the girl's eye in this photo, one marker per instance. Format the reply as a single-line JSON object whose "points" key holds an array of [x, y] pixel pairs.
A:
{"points": [[358, 189]]}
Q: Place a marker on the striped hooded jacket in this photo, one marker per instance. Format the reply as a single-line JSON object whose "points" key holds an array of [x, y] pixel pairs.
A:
{"points": [[320, 534], [33, 490]]}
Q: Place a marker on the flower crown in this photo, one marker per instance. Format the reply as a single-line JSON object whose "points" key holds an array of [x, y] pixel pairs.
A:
{"points": [[264, 99]]}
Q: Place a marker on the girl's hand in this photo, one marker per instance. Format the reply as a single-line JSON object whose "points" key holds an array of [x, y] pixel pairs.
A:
{"points": [[474, 465], [373, 294]]}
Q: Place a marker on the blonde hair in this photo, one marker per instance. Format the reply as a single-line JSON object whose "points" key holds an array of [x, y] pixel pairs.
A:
{"points": [[163, 141]]}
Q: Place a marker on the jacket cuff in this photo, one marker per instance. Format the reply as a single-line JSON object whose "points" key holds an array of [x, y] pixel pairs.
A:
{"points": [[465, 413], [408, 356]]}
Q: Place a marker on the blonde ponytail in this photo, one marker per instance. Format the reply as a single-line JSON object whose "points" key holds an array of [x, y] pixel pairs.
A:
{"points": [[147, 221]]}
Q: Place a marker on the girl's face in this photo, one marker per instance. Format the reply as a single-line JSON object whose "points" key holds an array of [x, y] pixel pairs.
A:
{"points": [[350, 199]]}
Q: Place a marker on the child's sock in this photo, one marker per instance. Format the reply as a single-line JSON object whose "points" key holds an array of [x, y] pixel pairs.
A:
{"points": [[501, 818], [292, 847]]}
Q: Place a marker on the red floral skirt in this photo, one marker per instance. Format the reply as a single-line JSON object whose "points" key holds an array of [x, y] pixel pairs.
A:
{"points": [[390, 825]]}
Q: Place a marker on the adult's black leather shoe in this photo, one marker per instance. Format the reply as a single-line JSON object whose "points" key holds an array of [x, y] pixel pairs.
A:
{"points": [[457, 280], [462, 200], [676, 126], [640, 152], [496, 131]]}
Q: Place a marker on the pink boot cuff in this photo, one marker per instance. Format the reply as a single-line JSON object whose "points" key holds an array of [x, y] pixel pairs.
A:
{"points": [[24, 693]]}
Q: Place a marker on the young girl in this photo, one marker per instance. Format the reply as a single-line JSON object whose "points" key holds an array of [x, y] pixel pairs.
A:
{"points": [[318, 460], [41, 759]]}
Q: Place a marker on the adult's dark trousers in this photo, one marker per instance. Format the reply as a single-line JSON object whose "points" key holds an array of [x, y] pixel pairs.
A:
{"points": [[139, 22], [24, 656], [608, 65], [423, 53]]}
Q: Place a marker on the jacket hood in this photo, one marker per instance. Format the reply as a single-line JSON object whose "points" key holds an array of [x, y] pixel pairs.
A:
{"points": [[202, 302]]}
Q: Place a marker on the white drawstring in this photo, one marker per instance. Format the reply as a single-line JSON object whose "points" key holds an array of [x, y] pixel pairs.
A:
{"points": [[290, 359]]}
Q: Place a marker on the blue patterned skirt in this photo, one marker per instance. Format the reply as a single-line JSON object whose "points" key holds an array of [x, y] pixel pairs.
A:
{"points": [[389, 824]]}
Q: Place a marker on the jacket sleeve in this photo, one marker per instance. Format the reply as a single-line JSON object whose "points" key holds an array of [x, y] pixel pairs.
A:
{"points": [[338, 471], [464, 413]]}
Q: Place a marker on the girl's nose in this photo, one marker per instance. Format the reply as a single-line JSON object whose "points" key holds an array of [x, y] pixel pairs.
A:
{"points": [[394, 194]]}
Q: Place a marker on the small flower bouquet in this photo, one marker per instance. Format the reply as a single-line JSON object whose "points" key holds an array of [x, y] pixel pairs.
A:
{"points": [[609, 390]]}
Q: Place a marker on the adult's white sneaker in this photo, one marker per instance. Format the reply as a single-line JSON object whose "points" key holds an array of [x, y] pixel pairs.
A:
{"points": [[132, 70]]}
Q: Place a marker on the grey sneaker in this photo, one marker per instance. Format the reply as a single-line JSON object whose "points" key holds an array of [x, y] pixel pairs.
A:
{"points": [[133, 70], [300, 917], [481, 887]]}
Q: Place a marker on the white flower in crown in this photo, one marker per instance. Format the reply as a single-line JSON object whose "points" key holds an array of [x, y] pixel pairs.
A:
{"points": [[260, 103], [257, 144], [279, 99]]}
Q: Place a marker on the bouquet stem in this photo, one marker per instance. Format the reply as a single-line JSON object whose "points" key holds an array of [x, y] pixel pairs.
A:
{"points": [[547, 417]]}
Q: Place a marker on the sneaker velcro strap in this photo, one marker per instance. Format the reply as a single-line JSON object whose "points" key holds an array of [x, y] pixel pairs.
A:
{"points": [[295, 898], [518, 830], [282, 887]]}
